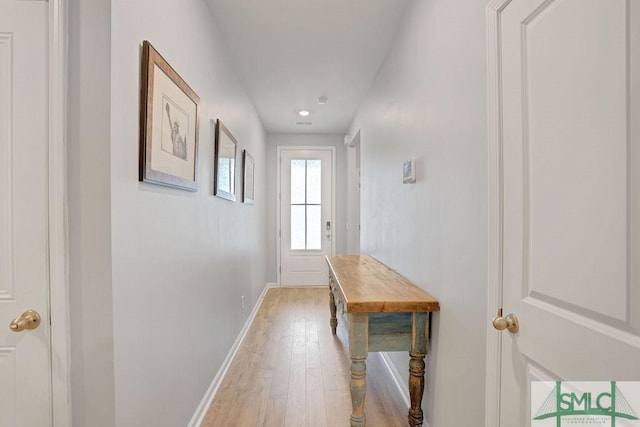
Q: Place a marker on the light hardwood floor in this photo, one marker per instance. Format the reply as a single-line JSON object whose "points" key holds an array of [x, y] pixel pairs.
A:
{"points": [[290, 371]]}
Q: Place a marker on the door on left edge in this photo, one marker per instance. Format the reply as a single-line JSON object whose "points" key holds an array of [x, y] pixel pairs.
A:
{"points": [[25, 367]]}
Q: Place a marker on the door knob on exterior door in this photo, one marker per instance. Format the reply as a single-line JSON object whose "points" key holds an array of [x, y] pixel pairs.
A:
{"points": [[30, 319], [508, 322]]}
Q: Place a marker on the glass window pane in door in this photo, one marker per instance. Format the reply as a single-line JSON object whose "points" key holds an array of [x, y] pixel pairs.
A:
{"points": [[314, 227], [298, 227], [314, 182], [298, 181]]}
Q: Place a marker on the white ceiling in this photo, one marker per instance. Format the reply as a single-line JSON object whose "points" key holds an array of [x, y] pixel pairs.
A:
{"points": [[290, 52]]}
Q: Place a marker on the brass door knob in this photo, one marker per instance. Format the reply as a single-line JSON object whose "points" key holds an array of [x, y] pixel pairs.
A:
{"points": [[30, 319], [508, 322]]}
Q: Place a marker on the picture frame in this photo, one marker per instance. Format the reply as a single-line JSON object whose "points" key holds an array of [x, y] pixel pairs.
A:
{"points": [[248, 182], [409, 171], [224, 177], [169, 124]]}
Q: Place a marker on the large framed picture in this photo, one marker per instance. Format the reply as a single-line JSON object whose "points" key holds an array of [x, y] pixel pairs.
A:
{"points": [[249, 169], [169, 111], [224, 182]]}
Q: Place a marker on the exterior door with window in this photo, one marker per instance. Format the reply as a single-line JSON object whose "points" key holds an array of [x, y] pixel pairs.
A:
{"points": [[306, 223]]}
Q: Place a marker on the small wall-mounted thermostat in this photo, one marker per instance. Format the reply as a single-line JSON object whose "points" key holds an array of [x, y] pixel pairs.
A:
{"points": [[409, 171]]}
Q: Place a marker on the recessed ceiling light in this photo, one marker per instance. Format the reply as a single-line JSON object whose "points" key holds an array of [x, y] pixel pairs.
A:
{"points": [[322, 100], [304, 113]]}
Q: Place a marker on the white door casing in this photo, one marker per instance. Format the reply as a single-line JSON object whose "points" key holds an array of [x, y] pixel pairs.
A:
{"points": [[353, 195], [57, 224], [301, 260], [564, 92]]}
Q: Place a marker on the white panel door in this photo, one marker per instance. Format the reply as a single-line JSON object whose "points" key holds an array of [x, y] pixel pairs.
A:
{"points": [[25, 396], [567, 194], [306, 222]]}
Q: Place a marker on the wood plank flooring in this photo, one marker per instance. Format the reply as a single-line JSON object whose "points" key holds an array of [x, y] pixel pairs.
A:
{"points": [[290, 371]]}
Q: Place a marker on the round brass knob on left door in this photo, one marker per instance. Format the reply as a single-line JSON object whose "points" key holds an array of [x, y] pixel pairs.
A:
{"points": [[30, 319], [508, 322]]}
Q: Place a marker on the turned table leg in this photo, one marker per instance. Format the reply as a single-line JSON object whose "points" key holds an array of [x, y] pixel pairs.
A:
{"points": [[419, 337], [358, 347], [333, 322]]}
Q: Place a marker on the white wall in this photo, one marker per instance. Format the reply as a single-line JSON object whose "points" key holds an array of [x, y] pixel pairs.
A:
{"points": [[163, 269], [320, 140], [89, 214], [428, 101]]}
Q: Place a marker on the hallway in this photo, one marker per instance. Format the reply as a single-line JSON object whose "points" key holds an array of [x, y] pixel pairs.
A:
{"points": [[290, 371], [485, 150]]}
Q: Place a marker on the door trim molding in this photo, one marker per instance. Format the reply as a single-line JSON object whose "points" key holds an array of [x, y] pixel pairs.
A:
{"points": [[354, 179], [280, 149], [58, 249], [494, 291]]}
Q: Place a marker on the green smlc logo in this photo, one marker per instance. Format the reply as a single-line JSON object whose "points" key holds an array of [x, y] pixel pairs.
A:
{"points": [[605, 404]]}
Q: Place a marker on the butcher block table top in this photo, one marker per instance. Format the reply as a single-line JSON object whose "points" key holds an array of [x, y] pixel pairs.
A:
{"points": [[368, 286]]}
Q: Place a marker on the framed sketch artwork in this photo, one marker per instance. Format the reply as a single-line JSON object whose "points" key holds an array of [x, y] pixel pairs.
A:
{"points": [[224, 182], [168, 124], [249, 167]]}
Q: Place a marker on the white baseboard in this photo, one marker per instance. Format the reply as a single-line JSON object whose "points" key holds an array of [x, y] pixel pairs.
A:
{"points": [[201, 411], [403, 389]]}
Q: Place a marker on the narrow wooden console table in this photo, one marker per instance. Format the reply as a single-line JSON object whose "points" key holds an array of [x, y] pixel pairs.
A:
{"points": [[384, 312]]}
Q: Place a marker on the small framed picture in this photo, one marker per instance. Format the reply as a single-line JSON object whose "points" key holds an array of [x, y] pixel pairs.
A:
{"points": [[168, 124], [224, 184], [409, 171], [249, 168]]}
